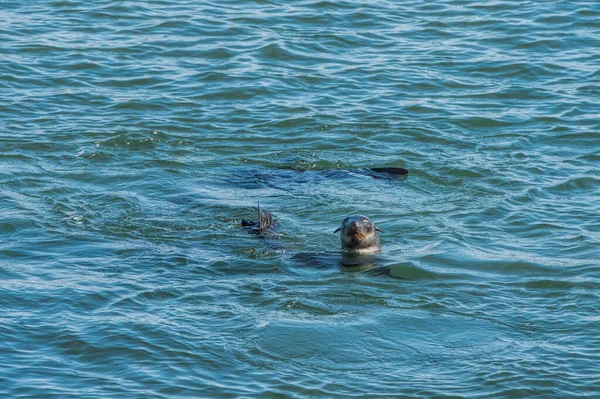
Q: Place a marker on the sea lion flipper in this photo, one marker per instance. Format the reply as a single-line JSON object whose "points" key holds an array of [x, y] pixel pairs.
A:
{"points": [[260, 226], [391, 171], [265, 220]]}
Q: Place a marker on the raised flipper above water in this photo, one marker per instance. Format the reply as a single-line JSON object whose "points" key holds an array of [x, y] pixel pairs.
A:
{"points": [[263, 224]]}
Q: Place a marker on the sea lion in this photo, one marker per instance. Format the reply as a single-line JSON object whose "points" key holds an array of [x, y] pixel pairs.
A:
{"points": [[359, 235]]}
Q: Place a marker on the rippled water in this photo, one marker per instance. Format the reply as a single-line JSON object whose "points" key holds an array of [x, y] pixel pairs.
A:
{"points": [[134, 137]]}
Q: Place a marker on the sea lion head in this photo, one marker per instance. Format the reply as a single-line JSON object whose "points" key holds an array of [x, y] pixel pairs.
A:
{"points": [[359, 234]]}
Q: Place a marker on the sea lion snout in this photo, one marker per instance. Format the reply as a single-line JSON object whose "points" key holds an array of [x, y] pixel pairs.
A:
{"points": [[353, 227], [359, 234]]}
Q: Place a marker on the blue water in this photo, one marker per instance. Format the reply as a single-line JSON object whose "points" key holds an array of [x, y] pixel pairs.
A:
{"points": [[135, 136]]}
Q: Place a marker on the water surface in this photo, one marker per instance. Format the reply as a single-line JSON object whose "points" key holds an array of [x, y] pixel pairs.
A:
{"points": [[135, 136]]}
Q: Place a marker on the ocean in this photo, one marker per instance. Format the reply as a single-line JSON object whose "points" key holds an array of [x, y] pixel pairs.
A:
{"points": [[136, 135]]}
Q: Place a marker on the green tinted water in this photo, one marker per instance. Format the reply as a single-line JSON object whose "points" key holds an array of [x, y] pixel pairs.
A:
{"points": [[134, 137]]}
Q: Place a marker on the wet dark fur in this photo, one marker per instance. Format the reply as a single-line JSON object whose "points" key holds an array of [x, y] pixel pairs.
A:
{"points": [[359, 234]]}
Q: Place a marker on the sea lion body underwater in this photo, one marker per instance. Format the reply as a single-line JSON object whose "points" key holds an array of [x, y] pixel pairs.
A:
{"points": [[359, 235]]}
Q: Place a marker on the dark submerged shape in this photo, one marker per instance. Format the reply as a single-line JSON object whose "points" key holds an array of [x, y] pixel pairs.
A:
{"points": [[359, 235], [286, 176]]}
